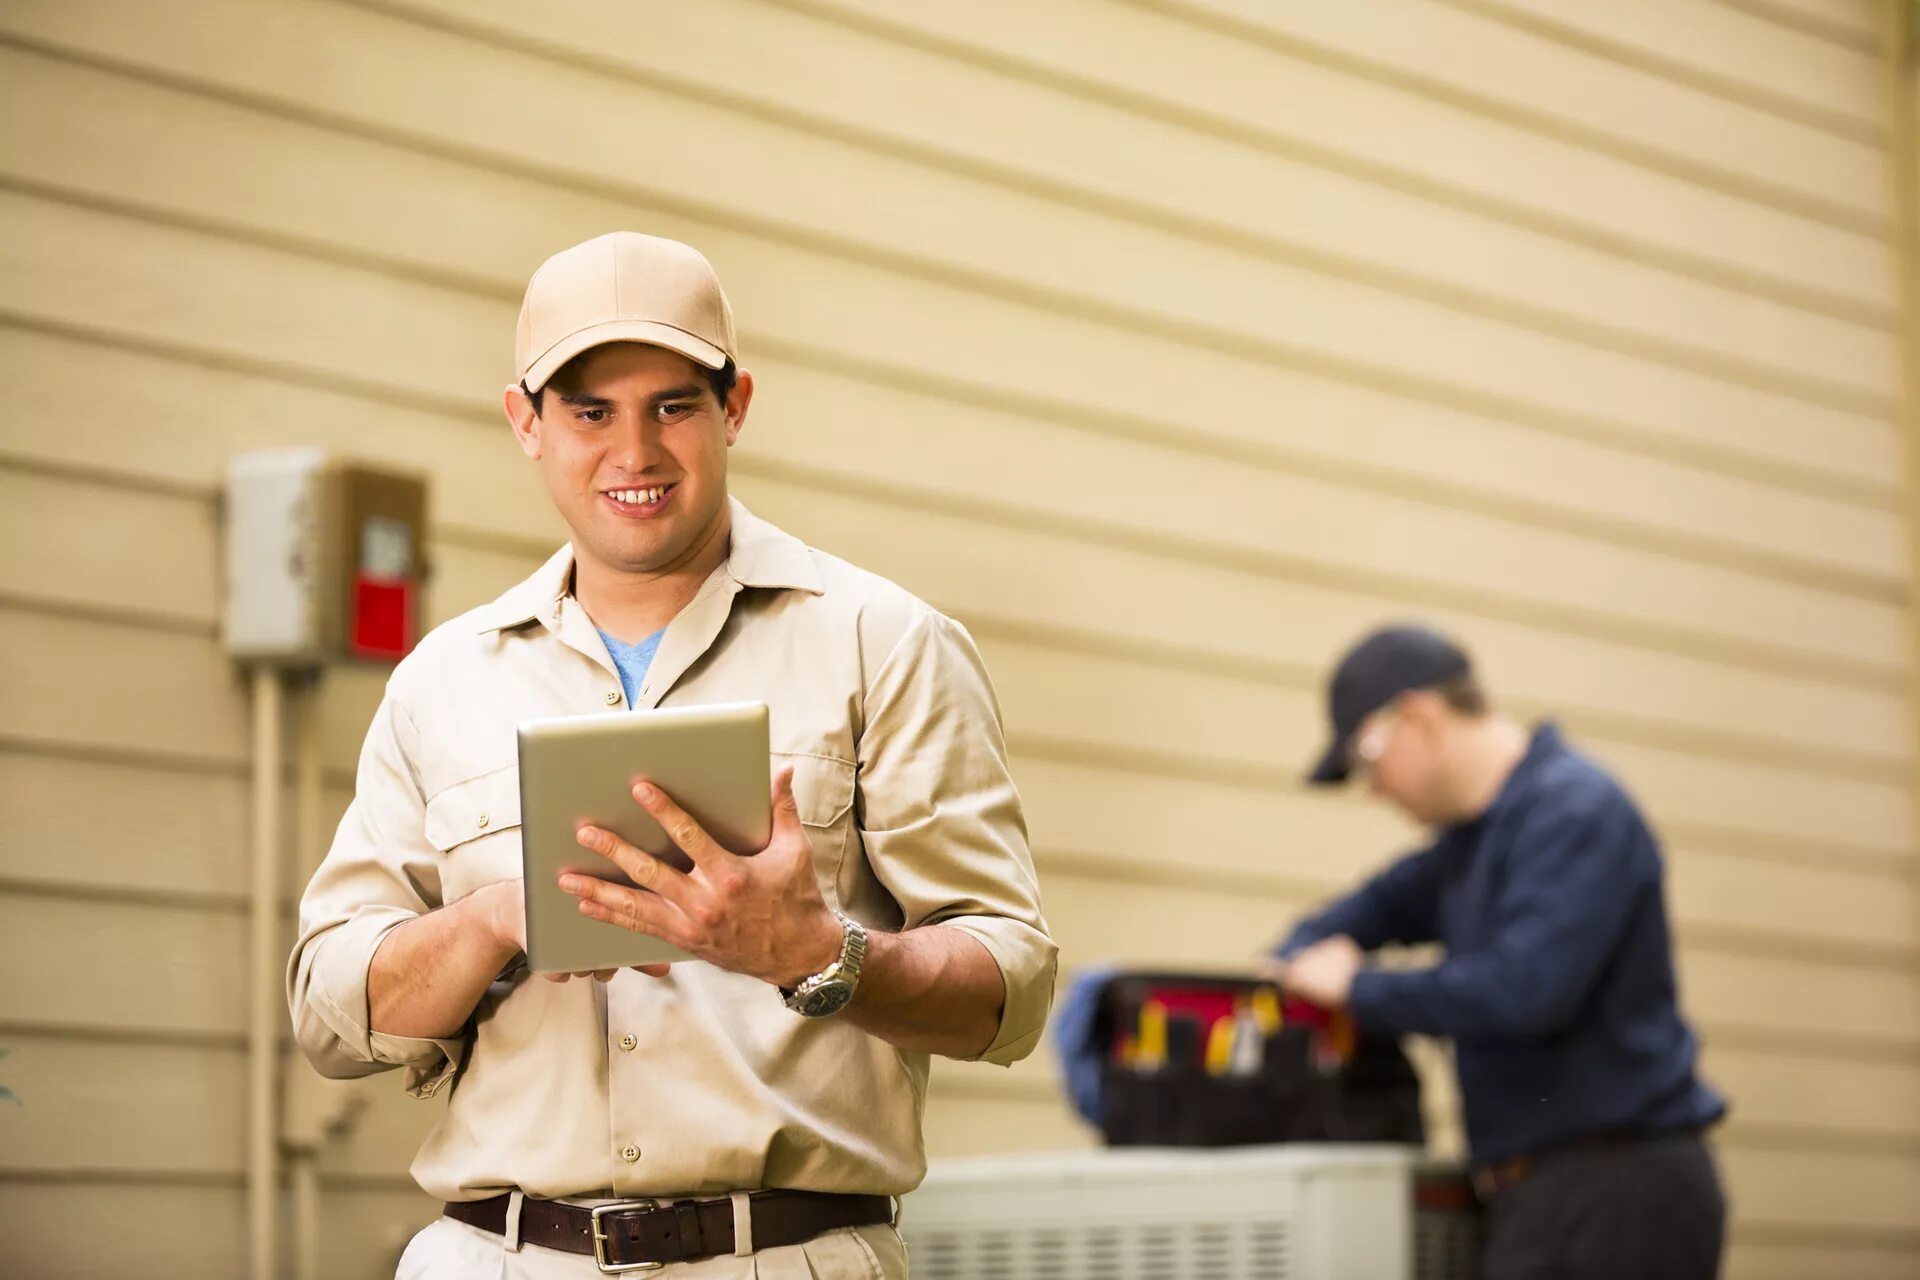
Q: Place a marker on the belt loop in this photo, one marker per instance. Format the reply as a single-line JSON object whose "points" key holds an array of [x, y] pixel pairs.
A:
{"points": [[742, 1224], [510, 1233]]}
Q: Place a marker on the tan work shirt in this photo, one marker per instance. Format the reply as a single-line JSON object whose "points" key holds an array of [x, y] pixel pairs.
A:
{"points": [[703, 1082]]}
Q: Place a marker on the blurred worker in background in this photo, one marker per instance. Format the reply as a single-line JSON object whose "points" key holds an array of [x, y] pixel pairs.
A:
{"points": [[1584, 1112]]}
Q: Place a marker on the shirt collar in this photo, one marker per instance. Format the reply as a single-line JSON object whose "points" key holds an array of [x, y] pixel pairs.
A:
{"points": [[759, 555], [1545, 744], [764, 555]]}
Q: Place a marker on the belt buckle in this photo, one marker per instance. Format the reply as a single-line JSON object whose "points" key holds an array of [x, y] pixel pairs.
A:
{"points": [[601, 1239]]}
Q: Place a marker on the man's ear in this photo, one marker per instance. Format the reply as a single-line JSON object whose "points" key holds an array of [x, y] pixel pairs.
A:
{"points": [[522, 418], [737, 405]]}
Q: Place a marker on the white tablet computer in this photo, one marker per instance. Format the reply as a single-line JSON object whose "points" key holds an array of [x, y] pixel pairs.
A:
{"points": [[713, 760]]}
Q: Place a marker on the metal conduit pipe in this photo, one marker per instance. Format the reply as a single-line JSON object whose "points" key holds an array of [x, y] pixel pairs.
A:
{"points": [[303, 1156], [264, 982]]}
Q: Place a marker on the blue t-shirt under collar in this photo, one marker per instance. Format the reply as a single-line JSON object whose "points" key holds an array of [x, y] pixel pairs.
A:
{"points": [[633, 660]]}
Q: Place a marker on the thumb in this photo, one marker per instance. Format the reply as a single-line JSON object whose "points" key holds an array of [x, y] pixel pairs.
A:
{"points": [[786, 810]]}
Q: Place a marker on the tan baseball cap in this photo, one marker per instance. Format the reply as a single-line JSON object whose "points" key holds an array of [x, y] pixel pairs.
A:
{"points": [[622, 287]]}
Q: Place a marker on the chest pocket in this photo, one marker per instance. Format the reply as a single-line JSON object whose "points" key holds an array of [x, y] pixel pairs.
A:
{"points": [[476, 827], [823, 792]]}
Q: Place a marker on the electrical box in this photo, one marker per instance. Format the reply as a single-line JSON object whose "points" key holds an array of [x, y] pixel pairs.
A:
{"points": [[323, 559]]}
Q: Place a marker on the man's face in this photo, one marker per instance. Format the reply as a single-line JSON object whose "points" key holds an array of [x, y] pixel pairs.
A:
{"points": [[1399, 751], [632, 444]]}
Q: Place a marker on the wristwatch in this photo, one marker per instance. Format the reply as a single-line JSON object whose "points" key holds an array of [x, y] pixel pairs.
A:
{"points": [[827, 992]]}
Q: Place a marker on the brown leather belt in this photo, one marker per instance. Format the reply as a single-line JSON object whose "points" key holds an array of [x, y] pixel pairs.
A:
{"points": [[1490, 1179], [640, 1235]]}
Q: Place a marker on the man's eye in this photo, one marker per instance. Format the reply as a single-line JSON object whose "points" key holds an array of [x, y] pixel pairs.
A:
{"points": [[593, 416], [673, 411]]}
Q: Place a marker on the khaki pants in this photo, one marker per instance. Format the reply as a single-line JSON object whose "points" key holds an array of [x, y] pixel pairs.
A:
{"points": [[449, 1250]]}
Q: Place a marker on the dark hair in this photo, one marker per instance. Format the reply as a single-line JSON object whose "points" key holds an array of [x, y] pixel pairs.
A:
{"points": [[721, 380], [1463, 694]]}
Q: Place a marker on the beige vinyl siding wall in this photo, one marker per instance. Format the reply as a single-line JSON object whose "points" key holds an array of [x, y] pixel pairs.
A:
{"points": [[1167, 343]]}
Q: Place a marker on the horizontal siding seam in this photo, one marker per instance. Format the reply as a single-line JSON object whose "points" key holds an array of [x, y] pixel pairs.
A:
{"points": [[1733, 89], [1807, 24], [1728, 182]]}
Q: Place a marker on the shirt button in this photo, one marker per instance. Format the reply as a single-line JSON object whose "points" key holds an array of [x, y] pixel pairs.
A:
{"points": [[629, 1153], [483, 820], [613, 697], [627, 1042]]}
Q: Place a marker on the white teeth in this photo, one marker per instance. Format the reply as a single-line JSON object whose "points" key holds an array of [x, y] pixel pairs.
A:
{"points": [[639, 497]]}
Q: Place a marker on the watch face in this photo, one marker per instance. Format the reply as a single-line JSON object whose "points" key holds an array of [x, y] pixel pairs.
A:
{"points": [[828, 998]]}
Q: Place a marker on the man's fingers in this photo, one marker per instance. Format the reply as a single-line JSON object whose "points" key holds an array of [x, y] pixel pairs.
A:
{"points": [[689, 836], [632, 909], [655, 970], [641, 867]]}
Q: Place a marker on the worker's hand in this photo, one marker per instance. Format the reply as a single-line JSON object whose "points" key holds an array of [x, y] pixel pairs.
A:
{"points": [[504, 907], [763, 916], [1323, 973]]}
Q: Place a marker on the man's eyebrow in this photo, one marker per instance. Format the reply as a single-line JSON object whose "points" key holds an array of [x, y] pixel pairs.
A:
{"points": [[583, 400]]}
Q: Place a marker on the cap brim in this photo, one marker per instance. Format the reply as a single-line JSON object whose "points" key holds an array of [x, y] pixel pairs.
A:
{"points": [[651, 332], [1332, 768]]}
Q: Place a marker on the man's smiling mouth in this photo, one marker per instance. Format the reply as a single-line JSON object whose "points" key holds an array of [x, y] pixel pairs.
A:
{"points": [[641, 500]]}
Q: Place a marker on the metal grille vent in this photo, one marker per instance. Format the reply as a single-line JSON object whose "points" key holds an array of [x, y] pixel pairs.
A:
{"points": [[1249, 1250], [1319, 1212], [1446, 1246]]}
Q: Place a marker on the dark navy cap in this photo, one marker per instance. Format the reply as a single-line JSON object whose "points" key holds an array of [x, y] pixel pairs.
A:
{"points": [[1379, 669]]}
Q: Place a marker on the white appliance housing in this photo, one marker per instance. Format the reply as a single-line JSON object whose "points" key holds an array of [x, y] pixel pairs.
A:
{"points": [[1307, 1212]]}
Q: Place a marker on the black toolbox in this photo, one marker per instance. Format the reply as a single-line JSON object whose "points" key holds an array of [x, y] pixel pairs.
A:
{"points": [[1206, 1060]]}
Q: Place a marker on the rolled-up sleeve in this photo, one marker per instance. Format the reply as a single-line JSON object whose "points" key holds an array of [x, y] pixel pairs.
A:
{"points": [[380, 873], [941, 819]]}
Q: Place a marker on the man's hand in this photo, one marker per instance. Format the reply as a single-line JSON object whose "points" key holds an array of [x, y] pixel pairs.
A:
{"points": [[429, 973], [762, 916], [505, 911], [1323, 973]]}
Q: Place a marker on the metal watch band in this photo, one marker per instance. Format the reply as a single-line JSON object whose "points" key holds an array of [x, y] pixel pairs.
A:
{"points": [[844, 971]]}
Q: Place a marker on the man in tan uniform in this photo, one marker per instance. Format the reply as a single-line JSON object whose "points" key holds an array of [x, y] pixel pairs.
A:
{"points": [[752, 1113]]}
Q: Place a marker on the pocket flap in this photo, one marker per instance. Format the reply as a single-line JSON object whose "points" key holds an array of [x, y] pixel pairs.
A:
{"points": [[474, 808], [822, 787]]}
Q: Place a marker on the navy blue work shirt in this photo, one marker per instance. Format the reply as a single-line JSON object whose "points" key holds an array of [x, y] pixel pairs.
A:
{"points": [[1558, 986]]}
